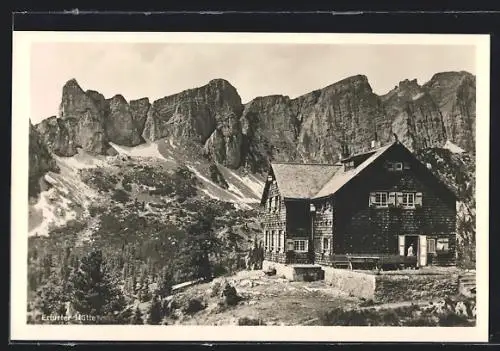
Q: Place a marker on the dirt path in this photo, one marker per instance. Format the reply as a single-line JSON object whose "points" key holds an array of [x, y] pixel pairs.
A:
{"points": [[273, 300]]}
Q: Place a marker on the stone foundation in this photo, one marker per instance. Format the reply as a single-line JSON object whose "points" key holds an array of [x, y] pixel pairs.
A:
{"points": [[385, 287], [295, 272], [354, 283]]}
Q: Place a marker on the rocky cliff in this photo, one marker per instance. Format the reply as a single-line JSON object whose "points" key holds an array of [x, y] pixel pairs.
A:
{"points": [[455, 95], [310, 128], [313, 127], [40, 161]]}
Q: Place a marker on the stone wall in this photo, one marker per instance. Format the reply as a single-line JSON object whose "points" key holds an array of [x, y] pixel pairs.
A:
{"points": [[295, 273], [354, 283], [407, 287]]}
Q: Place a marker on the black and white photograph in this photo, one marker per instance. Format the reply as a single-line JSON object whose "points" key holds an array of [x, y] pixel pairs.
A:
{"points": [[197, 180]]}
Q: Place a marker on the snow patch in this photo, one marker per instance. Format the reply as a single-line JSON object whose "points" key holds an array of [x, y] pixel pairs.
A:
{"points": [[234, 194], [201, 176], [52, 215], [235, 190], [50, 180], [251, 182], [209, 194], [453, 147], [143, 150], [79, 162], [418, 96]]}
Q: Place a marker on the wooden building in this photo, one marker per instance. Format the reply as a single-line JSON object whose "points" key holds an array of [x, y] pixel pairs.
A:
{"points": [[369, 207]]}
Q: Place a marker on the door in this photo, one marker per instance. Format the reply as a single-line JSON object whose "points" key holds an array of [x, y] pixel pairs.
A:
{"points": [[401, 241], [422, 251]]}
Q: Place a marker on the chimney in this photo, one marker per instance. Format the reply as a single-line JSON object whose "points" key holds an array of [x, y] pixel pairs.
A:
{"points": [[373, 144]]}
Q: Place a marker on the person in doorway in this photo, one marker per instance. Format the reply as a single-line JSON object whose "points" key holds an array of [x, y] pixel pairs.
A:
{"points": [[410, 250]]}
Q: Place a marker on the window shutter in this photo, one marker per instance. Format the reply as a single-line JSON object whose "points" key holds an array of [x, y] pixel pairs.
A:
{"points": [[399, 200], [418, 199], [431, 246], [401, 242], [371, 200], [392, 199]]}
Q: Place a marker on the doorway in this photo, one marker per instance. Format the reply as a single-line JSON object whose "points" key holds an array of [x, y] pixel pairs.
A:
{"points": [[419, 247], [411, 241]]}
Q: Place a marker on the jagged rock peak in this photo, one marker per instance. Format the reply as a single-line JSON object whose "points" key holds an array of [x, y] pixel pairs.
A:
{"points": [[144, 100], [408, 83], [359, 81], [219, 81], [118, 98], [72, 83], [451, 75]]}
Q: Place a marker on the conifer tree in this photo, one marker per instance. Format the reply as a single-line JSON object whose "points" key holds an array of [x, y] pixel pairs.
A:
{"points": [[199, 245], [155, 311], [50, 297], [137, 317], [165, 282], [92, 291]]}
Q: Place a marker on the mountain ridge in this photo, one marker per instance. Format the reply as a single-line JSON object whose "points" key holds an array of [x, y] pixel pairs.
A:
{"points": [[312, 127]]}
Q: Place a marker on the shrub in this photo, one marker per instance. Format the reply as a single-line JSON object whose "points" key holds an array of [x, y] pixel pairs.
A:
{"points": [[451, 319], [215, 289], [230, 295], [120, 196], [250, 321], [126, 186], [217, 176], [367, 303], [194, 305], [94, 210], [421, 322], [390, 318]]}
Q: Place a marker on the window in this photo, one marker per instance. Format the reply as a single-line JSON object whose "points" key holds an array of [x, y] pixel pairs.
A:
{"points": [[378, 199], [408, 200], [272, 240], [300, 245], [276, 202], [266, 246], [431, 245], [269, 205], [326, 244], [281, 241], [442, 245], [397, 166]]}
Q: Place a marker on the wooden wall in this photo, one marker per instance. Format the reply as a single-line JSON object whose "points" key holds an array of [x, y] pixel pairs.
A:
{"points": [[362, 229], [323, 228], [275, 221]]}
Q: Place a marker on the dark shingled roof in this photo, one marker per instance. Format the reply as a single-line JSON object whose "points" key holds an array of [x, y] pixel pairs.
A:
{"points": [[302, 181], [341, 178], [314, 181]]}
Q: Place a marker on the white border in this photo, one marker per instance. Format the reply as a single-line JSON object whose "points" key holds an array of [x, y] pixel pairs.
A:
{"points": [[19, 199]]}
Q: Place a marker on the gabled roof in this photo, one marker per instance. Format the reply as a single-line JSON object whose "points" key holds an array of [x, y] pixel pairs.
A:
{"points": [[341, 178], [302, 181], [314, 181]]}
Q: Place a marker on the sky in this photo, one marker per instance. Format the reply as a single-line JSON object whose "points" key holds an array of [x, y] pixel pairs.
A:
{"points": [[155, 70]]}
